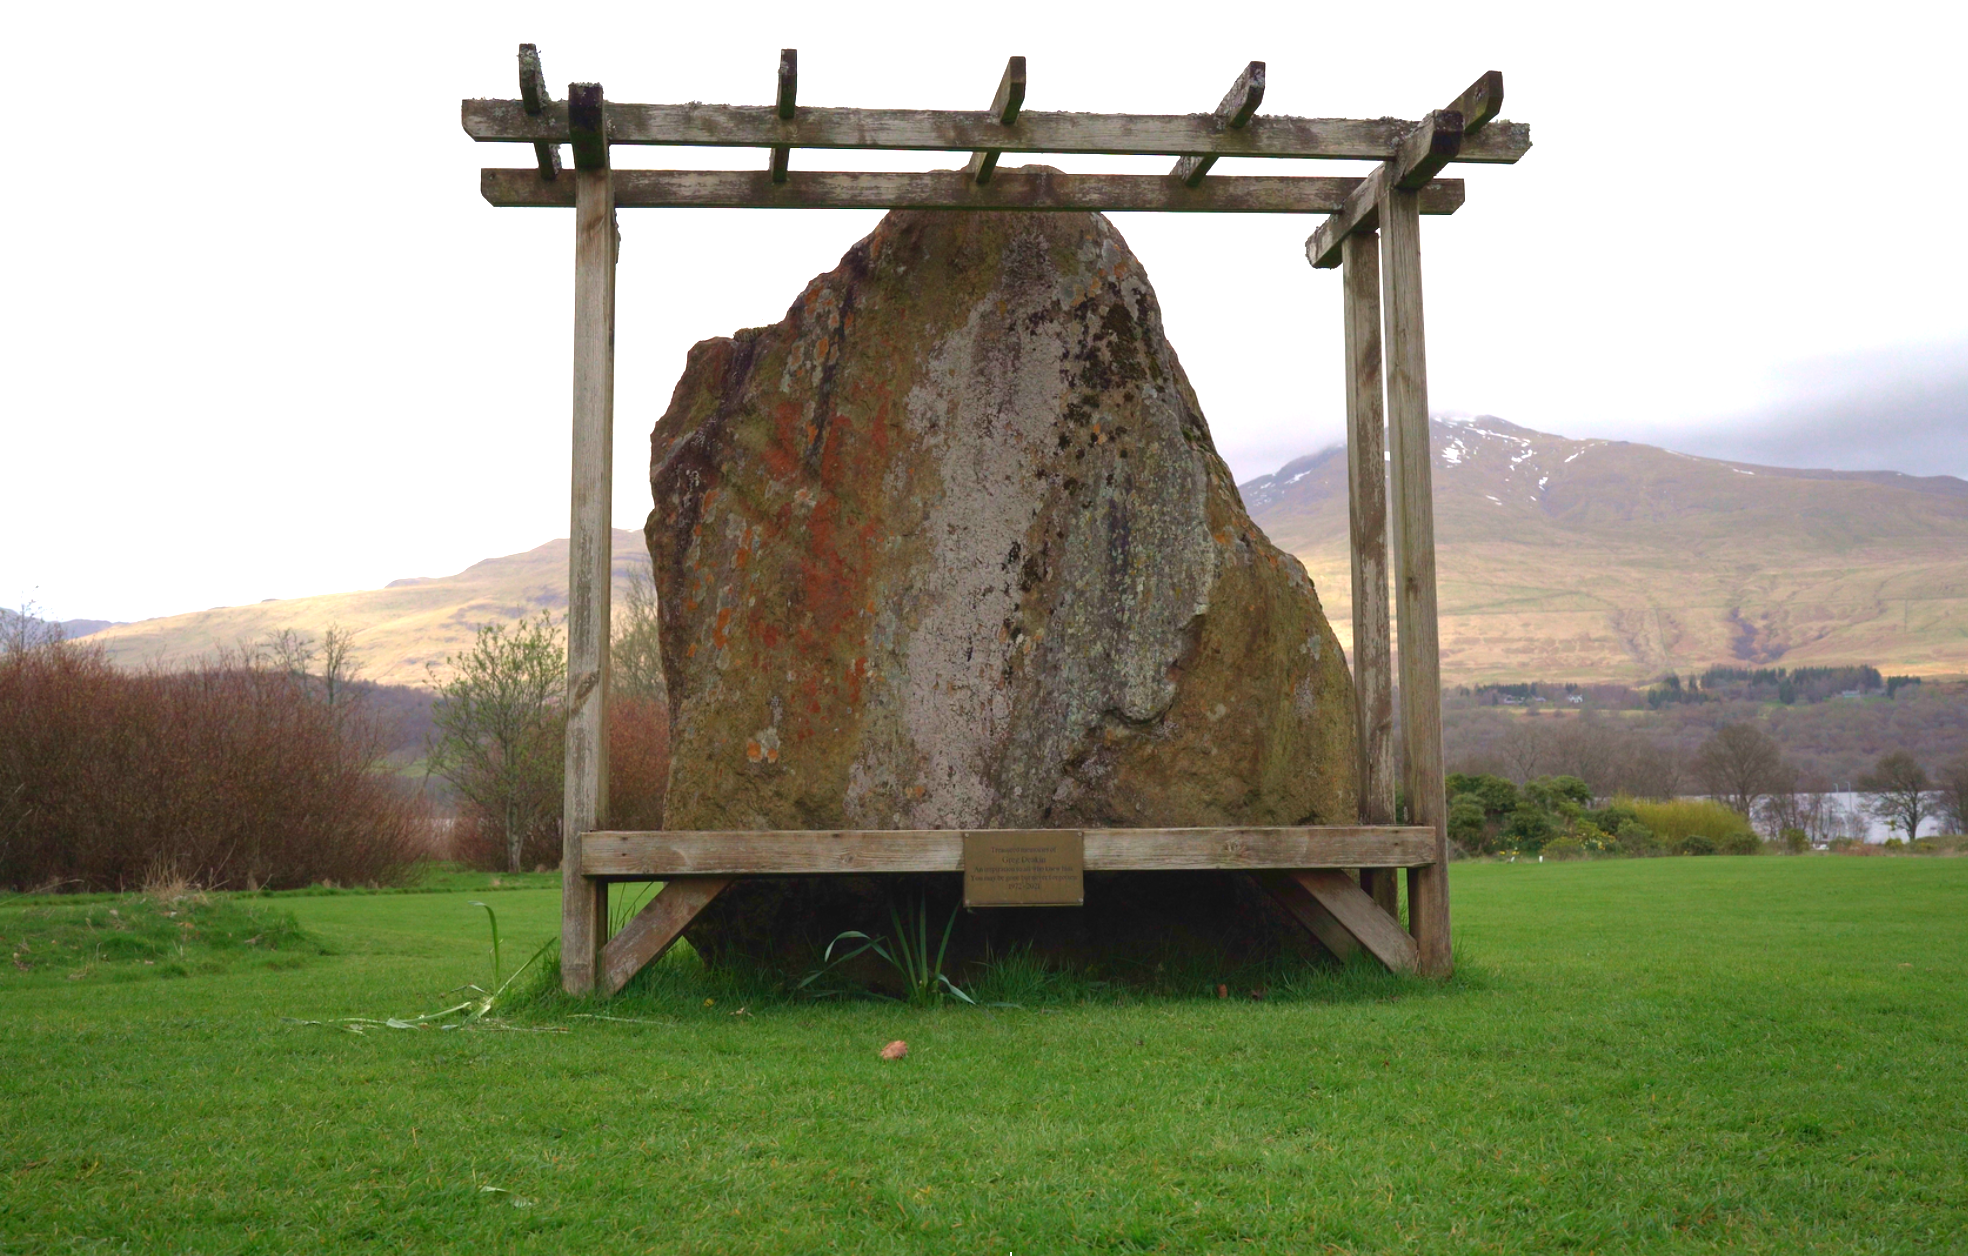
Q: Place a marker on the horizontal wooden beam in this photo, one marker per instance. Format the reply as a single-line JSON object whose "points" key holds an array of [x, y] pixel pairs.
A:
{"points": [[953, 189], [587, 110], [1480, 103], [802, 852], [1233, 113], [967, 131]]}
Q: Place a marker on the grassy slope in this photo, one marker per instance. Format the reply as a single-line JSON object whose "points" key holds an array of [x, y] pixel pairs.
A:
{"points": [[1675, 1055], [1630, 560], [398, 629]]}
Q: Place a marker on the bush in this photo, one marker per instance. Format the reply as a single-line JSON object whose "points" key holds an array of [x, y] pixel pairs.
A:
{"points": [[1635, 838], [1679, 819], [1742, 844], [233, 775], [1795, 841], [1566, 847], [1695, 844]]}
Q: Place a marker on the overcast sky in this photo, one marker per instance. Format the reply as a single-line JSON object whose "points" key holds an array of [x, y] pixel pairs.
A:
{"points": [[263, 338]]}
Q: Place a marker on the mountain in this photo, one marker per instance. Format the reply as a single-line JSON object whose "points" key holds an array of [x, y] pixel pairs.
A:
{"points": [[1558, 559], [398, 629], [1565, 559]]}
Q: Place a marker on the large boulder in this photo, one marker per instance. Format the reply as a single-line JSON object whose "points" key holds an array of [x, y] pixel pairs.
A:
{"points": [[950, 546]]}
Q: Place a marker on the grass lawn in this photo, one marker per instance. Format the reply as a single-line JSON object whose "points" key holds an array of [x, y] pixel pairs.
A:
{"points": [[1734, 1054]]}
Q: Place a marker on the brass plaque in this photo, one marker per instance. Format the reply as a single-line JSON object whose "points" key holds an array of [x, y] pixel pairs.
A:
{"points": [[1024, 868]]}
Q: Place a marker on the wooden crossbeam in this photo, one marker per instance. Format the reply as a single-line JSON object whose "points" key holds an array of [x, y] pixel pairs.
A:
{"points": [[1004, 111], [533, 95], [655, 928], [951, 130], [784, 107], [1440, 138], [1341, 915], [1432, 145], [665, 854], [954, 189], [1233, 113], [1481, 103]]}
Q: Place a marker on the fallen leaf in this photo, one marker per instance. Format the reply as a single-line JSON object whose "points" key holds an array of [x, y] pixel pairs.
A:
{"points": [[1223, 992], [895, 1050]]}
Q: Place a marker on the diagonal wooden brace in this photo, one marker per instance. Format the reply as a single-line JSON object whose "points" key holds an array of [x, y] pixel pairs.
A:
{"points": [[1342, 916], [656, 928]]}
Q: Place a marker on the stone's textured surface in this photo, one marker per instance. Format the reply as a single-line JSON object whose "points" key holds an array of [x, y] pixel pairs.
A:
{"points": [[950, 547]]}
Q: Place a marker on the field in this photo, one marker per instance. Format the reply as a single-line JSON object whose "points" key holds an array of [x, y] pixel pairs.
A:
{"points": [[1723, 1054]]}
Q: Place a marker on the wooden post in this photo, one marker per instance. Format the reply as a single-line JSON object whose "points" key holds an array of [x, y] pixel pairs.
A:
{"points": [[1366, 464], [1413, 515], [590, 547]]}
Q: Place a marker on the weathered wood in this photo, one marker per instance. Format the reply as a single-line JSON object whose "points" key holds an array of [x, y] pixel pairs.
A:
{"points": [[954, 189], [939, 130], [1311, 913], [1005, 105], [533, 95], [736, 853], [1366, 465], [1480, 103], [1380, 933], [587, 113], [1412, 511], [584, 902], [655, 928], [1233, 113], [784, 107], [1433, 145]]}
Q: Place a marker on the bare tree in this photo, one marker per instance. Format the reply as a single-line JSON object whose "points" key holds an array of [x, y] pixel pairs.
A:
{"points": [[1900, 792], [1740, 764], [23, 630], [295, 653], [498, 727], [1951, 791], [636, 655]]}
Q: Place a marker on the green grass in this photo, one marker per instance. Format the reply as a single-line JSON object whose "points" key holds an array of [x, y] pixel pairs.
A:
{"points": [[1648, 1055]]}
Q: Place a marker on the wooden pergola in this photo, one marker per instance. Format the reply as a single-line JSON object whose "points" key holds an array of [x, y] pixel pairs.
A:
{"points": [[1371, 231]]}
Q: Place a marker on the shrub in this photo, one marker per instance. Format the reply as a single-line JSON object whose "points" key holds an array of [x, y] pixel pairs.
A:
{"points": [[1795, 841], [1695, 844], [1678, 819], [1528, 828], [1635, 838], [232, 775], [1567, 847], [1741, 844]]}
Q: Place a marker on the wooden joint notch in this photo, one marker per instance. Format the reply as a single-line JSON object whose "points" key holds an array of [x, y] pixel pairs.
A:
{"points": [[587, 121], [533, 95], [1004, 112], [1233, 113], [783, 106]]}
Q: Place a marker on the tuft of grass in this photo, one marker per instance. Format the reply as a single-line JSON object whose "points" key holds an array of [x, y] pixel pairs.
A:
{"points": [[172, 931]]}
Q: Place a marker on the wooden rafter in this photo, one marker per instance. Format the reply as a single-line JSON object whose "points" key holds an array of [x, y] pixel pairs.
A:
{"points": [[1233, 113], [954, 189], [534, 97], [934, 130], [784, 107], [1004, 111]]}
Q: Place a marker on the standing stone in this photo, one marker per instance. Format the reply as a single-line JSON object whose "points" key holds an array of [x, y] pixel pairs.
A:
{"points": [[950, 546]]}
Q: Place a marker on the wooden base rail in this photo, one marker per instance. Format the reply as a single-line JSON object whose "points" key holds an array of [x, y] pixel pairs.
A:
{"points": [[658, 855]]}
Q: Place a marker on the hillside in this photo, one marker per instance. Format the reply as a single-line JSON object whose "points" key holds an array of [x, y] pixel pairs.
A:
{"points": [[399, 628], [1560, 560], [1606, 560]]}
